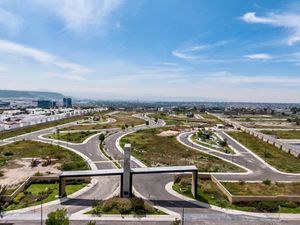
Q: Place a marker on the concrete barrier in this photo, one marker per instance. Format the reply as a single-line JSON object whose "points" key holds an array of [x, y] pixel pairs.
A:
{"points": [[37, 179]]}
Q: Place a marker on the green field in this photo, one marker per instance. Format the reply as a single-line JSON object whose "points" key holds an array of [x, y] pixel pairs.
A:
{"points": [[34, 194], [283, 134], [271, 154], [32, 149], [154, 150], [25, 130], [77, 137], [209, 193]]}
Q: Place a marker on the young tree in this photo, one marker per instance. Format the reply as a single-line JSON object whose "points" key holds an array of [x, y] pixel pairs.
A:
{"points": [[147, 122], [101, 138], [59, 217]]}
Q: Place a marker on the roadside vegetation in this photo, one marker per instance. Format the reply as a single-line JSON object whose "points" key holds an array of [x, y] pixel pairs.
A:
{"points": [[124, 206], [275, 157], [283, 134], [36, 194], [156, 150], [209, 193], [179, 119], [32, 149], [265, 188], [77, 137], [123, 119], [25, 130], [211, 140]]}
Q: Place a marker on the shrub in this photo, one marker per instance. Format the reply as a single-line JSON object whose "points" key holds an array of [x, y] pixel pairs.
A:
{"points": [[266, 206], [137, 204], [123, 205], [267, 182], [19, 197], [59, 217], [1, 173], [8, 153], [109, 204], [289, 204], [241, 182], [148, 208]]}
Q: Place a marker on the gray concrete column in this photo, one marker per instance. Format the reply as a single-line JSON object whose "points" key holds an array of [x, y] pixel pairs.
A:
{"points": [[127, 182], [62, 187], [194, 183]]}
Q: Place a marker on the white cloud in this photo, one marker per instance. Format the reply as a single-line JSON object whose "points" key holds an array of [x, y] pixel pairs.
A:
{"points": [[290, 21], [10, 21], [261, 56], [42, 57], [78, 15], [190, 53]]}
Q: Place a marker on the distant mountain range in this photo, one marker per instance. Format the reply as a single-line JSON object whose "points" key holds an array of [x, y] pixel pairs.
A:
{"points": [[30, 94]]}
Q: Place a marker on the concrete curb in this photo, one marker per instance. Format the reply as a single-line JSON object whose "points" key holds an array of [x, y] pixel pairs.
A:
{"points": [[260, 159], [285, 216], [243, 173]]}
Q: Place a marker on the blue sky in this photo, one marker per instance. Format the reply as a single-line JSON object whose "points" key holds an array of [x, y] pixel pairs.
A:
{"points": [[234, 50]]}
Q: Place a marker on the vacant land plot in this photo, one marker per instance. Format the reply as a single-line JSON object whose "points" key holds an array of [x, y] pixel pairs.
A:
{"points": [[275, 157], [31, 149], [122, 119], [208, 192], [34, 194], [25, 130], [283, 134], [209, 120], [77, 137], [155, 150], [262, 189]]}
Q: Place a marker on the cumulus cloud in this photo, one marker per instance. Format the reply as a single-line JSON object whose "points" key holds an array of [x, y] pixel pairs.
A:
{"points": [[287, 20]]}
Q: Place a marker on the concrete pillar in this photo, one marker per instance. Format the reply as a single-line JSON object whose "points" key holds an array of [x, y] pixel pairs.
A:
{"points": [[127, 177], [194, 183], [62, 187]]}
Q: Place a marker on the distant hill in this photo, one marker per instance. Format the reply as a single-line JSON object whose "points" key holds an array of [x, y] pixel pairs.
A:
{"points": [[30, 94]]}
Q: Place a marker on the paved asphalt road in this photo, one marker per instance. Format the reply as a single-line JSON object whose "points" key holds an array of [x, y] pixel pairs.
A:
{"points": [[150, 186]]}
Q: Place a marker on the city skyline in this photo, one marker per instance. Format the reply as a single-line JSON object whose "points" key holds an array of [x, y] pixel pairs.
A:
{"points": [[153, 50]]}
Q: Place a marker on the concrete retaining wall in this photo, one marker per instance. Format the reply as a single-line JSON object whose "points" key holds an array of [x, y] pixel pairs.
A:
{"points": [[38, 179]]}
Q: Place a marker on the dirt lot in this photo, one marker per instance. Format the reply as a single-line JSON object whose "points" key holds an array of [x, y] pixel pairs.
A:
{"points": [[168, 133], [17, 171]]}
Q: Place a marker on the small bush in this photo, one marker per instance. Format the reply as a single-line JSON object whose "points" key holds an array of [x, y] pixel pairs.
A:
{"points": [[8, 153], [137, 204], [18, 198], [123, 205], [241, 182], [109, 205], [267, 182], [148, 208], [289, 204], [266, 206]]}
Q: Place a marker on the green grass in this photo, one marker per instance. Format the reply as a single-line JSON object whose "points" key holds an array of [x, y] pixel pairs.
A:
{"points": [[32, 149], [154, 150], [283, 134], [209, 193], [277, 158], [261, 189], [25, 130], [34, 194], [124, 206], [77, 137]]}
